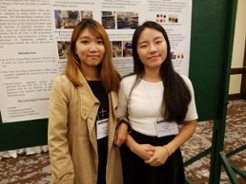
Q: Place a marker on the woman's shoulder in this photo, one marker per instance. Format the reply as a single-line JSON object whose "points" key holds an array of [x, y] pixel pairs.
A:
{"points": [[129, 78], [185, 78], [62, 80], [62, 86], [127, 82], [187, 81]]}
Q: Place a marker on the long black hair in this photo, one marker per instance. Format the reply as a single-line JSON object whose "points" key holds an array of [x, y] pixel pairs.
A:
{"points": [[176, 95]]}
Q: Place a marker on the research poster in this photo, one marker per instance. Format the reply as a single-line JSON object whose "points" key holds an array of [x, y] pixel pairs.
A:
{"points": [[35, 39]]}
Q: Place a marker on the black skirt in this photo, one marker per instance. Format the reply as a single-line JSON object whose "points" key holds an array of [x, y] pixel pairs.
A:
{"points": [[135, 170]]}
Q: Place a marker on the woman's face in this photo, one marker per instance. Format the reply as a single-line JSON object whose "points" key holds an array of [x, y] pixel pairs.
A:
{"points": [[90, 49], [152, 48]]}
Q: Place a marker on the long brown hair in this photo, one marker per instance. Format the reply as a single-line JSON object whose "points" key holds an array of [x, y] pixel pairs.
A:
{"points": [[109, 76]]}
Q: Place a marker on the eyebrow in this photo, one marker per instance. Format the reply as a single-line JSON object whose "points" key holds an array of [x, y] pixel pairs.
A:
{"points": [[158, 37], [84, 37], [87, 37]]}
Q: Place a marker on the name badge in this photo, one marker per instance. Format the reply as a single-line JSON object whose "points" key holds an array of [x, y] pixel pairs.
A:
{"points": [[102, 128], [164, 128]]}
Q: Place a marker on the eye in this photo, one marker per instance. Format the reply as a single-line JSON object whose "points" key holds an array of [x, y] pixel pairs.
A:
{"points": [[143, 46], [158, 41], [84, 41], [100, 42]]}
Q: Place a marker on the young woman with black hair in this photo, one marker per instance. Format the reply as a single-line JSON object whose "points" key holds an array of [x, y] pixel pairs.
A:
{"points": [[153, 100]]}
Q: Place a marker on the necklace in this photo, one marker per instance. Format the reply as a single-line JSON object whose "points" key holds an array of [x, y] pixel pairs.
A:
{"points": [[151, 79], [102, 96], [153, 87]]}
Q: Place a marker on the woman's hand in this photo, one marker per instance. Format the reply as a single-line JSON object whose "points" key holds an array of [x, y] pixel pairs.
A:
{"points": [[160, 155], [121, 134], [142, 150]]}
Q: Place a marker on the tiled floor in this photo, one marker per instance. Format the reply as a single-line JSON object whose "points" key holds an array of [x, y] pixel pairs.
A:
{"points": [[35, 169]]}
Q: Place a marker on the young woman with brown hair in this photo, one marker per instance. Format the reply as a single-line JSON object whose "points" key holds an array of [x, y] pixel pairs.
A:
{"points": [[82, 121]]}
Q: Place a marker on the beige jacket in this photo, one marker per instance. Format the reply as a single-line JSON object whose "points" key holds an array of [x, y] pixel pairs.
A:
{"points": [[71, 135]]}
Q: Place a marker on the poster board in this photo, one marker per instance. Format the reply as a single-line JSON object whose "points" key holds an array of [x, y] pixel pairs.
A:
{"points": [[35, 43], [207, 66]]}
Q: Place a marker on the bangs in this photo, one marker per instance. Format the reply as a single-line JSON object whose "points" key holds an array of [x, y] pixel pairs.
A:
{"points": [[96, 31]]}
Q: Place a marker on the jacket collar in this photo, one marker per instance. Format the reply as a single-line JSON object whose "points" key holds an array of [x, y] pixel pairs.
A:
{"points": [[113, 100], [87, 97]]}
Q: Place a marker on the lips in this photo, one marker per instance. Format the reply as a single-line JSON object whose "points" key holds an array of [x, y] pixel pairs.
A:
{"points": [[93, 56], [153, 57]]}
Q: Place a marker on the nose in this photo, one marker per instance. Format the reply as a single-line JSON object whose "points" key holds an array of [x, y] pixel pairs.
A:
{"points": [[93, 47], [152, 48]]}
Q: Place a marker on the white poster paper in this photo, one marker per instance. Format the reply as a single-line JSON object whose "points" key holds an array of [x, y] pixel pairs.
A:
{"points": [[35, 38]]}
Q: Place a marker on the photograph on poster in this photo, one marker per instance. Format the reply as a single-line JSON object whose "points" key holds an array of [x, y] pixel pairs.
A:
{"points": [[173, 19], [127, 48], [173, 55], [86, 15], [177, 55], [66, 19], [161, 18], [180, 56], [108, 19], [117, 48], [127, 20], [63, 48]]}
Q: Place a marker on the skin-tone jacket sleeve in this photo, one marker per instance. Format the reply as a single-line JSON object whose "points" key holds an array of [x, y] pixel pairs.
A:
{"points": [[60, 159]]}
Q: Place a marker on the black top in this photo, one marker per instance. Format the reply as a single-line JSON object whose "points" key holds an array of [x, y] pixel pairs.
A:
{"points": [[103, 112], [102, 96]]}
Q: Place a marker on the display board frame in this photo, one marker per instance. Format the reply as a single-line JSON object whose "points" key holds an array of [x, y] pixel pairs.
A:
{"points": [[212, 36]]}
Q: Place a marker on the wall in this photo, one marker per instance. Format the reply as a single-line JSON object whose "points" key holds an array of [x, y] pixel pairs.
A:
{"points": [[238, 48]]}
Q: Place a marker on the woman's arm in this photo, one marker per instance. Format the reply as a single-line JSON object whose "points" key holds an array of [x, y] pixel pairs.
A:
{"points": [[60, 159], [161, 153], [185, 133], [122, 117], [190, 122], [121, 134], [187, 130], [139, 149]]}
